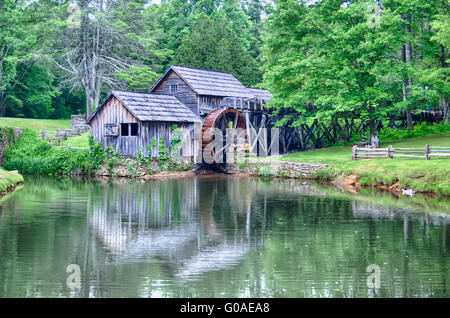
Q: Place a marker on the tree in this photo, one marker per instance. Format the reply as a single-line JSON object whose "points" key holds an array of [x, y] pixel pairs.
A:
{"points": [[99, 40], [16, 42], [325, 62], [33, 93], [213, 44]]}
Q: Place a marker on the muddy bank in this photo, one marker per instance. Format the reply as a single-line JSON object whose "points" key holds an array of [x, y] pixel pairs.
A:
{"points": [[352, 184], [11, 188], [9, 180]]}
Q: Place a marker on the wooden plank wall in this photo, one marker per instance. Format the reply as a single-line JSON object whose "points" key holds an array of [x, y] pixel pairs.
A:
{"points": [[114, 113], [184, 93], [209, 103]]}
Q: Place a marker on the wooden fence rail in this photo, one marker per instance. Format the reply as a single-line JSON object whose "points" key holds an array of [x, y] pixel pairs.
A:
{"points": [[59, 136], [390, 152]]}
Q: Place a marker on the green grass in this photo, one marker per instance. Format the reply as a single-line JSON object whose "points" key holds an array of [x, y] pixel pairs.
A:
{"points": [[8, 179], [34, 124], [37, 125], [81, 141], [420, 174]]}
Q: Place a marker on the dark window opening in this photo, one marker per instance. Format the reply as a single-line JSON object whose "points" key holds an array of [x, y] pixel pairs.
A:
{"points": [[173, 88], [130, 129], [133, 129], [124, 129]]}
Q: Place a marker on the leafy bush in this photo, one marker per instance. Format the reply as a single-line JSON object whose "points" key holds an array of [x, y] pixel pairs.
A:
{"points": [[96, 153], [112, 159], [30, 154], [420, 130]]}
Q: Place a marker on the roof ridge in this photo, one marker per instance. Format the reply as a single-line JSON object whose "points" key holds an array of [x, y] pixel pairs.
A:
{"points": [[202, 69], [148, 93]]}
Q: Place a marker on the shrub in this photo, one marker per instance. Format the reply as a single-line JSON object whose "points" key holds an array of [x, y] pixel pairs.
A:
{"points": [[30, 154], [420, 130]]}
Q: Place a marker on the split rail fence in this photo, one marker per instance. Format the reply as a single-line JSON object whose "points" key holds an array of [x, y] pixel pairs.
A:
{"points": [[390, 152], [59, 136]]}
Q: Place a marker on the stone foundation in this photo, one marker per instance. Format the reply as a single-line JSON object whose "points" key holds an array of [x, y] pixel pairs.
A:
{"points": [[275, 169]]}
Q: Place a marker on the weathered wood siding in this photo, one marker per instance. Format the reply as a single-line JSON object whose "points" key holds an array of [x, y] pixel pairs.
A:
{"points": [[164, 130], [184, 93], [209, 103], [115, 113]]}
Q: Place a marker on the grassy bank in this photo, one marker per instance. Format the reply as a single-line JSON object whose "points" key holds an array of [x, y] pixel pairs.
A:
{"points": [[30, 154], [420, 174], [36, 125], [8, 180]]}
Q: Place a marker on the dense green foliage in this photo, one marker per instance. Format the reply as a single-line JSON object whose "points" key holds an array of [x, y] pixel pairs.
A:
{"points": [[332, 59], [30, 154], [420, 130], [324, 59], [56, 58]]}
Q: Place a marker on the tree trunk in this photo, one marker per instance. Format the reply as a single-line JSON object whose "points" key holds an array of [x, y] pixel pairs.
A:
{"points": [[406, 57], [446, 107], [444, 101], [372, 130]]}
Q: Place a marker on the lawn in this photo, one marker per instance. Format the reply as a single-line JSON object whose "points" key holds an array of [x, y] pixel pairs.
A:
{"points": [[81, 141], [37, 125], [419, 174]]}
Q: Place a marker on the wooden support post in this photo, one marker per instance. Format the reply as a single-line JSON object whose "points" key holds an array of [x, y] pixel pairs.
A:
{"points": [[354, 153], [427, 152], [389, 152]]}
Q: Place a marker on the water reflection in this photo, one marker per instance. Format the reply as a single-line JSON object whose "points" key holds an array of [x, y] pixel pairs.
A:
{"points": [[215, 236], [175, 222]]}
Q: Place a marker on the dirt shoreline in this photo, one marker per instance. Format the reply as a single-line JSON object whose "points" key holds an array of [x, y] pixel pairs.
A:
{"points": [[351, 183], [10, 189]]}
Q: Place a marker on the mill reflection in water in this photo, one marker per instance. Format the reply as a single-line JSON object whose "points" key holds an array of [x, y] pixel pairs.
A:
{"points": [[175, 221]]}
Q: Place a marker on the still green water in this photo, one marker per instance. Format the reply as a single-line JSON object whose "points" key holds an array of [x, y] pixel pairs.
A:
{"points": [[218, 236]]}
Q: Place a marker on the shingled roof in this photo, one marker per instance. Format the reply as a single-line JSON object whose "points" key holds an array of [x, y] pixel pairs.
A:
{"points": [[209, 82], [152, 107], [261, 93]]}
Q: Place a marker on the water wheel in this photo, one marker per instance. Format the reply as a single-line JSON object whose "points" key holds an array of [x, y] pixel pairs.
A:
{"points": [[220, 119]]}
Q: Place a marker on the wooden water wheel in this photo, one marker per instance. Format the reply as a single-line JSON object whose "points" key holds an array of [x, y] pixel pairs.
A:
{"points": [[220, 119]]}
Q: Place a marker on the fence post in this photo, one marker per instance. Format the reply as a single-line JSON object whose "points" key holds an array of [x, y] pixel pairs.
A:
{"points": [[354, 153], [389, 152], [43, 134], [427, 152]]}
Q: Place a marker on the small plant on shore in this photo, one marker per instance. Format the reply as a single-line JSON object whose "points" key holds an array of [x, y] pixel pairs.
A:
{"points": [[264, 171], [163, 154], [149, 152], [141, 161], [132, 168], [96, 154], [112, 159]]}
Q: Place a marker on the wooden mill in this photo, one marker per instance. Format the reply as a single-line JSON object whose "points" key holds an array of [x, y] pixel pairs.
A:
{"points": [[183, 96]]}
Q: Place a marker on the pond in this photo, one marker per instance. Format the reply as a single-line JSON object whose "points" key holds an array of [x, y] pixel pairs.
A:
{"points": [[219, 236]]}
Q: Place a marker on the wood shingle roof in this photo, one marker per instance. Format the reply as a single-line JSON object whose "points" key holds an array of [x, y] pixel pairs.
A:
{"points": [[152, 107], [209, 82]]}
